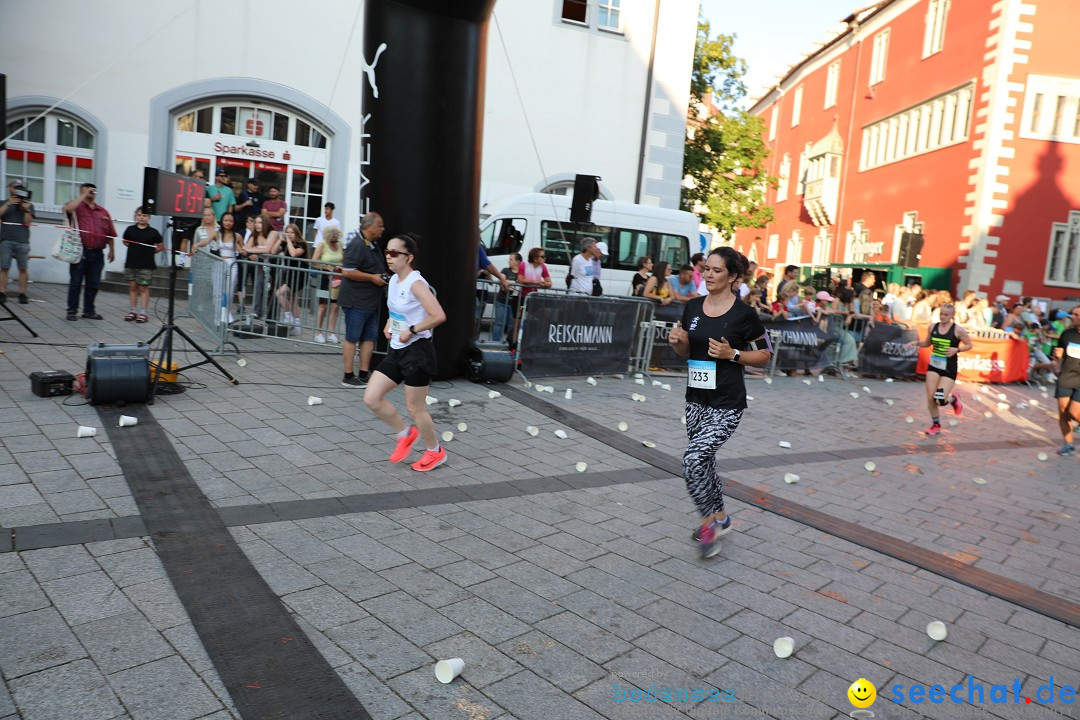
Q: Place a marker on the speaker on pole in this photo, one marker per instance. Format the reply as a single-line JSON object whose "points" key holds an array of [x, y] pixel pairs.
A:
{"points": [[586, 190], [911, 245]]}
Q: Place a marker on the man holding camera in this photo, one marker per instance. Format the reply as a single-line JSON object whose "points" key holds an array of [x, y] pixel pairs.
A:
{"points": [[16, 213], [97, 231], [363, 276]]}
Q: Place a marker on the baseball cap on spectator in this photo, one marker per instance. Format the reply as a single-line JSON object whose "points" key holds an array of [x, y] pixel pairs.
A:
{"points": [[824, 295], [253, 181], [602, 247], [1001, 298]]}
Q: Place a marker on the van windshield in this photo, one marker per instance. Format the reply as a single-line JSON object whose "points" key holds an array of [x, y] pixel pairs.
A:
{"points": [[503, 236]]}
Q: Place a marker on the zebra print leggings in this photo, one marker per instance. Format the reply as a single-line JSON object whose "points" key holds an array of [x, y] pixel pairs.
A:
{"points": [[707, 429]]}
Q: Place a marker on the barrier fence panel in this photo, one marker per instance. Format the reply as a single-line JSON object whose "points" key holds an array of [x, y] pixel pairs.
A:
{"points": [[206, 299], [573, 334], [664, 319], [803, 344], [884, 351]]}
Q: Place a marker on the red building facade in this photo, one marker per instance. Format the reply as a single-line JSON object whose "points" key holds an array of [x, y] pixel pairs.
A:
{"points": [[956, 120]]}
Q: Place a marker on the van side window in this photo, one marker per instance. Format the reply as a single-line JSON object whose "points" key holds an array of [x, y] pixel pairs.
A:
{"points": [[629, 246], [673, 249], [503, 236], [562, 241]]}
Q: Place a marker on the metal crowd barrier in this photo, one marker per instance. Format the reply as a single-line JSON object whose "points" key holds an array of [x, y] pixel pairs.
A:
{"points": [[264, 298]]}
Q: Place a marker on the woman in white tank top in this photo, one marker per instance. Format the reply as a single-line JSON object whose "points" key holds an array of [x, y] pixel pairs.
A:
{"points": [[414, 311]]}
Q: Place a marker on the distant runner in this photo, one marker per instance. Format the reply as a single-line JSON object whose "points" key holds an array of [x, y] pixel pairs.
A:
{"points": [[947, 340]]}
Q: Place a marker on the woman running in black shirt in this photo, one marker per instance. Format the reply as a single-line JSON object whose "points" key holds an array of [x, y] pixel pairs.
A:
{"points": [[719, 334]]}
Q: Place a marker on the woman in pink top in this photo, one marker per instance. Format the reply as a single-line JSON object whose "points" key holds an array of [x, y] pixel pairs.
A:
{"points": [[532, 275]]}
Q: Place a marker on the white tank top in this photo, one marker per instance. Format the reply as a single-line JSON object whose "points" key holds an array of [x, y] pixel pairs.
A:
{"points": [[405, 309]]}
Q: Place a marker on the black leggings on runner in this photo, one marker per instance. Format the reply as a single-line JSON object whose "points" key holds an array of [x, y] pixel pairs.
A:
{"points": [[707, 429]]}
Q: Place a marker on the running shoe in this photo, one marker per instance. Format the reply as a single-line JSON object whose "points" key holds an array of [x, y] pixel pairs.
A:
{"points": [[354, 382], [720, 529], [934, 430], [957, 406], [1066, 449], [404, 445], [430, 460], [709, 544]]}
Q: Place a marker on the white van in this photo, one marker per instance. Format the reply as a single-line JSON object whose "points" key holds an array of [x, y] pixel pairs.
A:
{"points": [[524, 222]]}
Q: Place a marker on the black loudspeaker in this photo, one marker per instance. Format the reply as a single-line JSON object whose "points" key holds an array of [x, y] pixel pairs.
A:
{"points": [[490, 365], [911, 245], [117, 373], [586, 190]]}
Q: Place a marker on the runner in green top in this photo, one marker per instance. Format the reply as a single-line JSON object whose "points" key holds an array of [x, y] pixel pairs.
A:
{"points": [[947, 340]]}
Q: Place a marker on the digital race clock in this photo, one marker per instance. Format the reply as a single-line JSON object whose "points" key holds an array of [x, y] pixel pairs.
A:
{"points": [[166, 193]]}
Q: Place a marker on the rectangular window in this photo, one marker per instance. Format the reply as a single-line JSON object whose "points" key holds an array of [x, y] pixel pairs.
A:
{"points": [[934, 33], [803, 170], [772, 122], [576, 11], [1063, 258], [832, 84], [281, 127], [608, 14], [305, 200], [1051, 109], [774, 247], [204, 120], [70, 173], [782, 181], [504, 236], [936, 123], [879, 57], [227, 124], [562, 241], [1059, 112], [796, 107]]}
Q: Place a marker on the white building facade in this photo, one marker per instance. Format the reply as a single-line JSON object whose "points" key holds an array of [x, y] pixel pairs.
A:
{"points": [[272, 90]]}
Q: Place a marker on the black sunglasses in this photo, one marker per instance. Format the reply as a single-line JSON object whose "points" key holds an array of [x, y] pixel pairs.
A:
{"points": [[395, 253]]}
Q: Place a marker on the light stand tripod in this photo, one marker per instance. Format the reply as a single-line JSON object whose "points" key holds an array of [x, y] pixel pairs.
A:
{"points": [[16, 318], [166, 333]]}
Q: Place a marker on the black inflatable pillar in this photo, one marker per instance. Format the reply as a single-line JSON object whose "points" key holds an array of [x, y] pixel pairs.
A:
{"points": [[423, 110]]}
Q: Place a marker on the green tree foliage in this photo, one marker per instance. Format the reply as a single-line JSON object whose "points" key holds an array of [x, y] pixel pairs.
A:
{"points": [[725, 152]]}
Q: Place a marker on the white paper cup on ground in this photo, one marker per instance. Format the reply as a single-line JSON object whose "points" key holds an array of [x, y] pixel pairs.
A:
{"points": [[978, 481], [590, 380], [447, 436], [532, 430], [768, 381], [866, 389], [85, 431], [648, 443], [638, 375], [128, 421], [783, 647], [683, 419], [785, 444], [656, 383], [870, 467], [1034, 403], [854, 395], [821, 378], [888, 379], [447, 670], [807, 381], [453, 402], [492, 394], [639, 381], [581, 467], [242, 362], [888, 401], [623, 427], [569, 394], [953, 422], [791, 478], [936, 630], [988, 414], [312, 400], [1043, 457], [909, 420], [431, 400], [1002, 396], [665, 386], [561, 434], [462, 427]]}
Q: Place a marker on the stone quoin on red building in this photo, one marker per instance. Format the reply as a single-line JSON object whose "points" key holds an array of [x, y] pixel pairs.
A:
{"points": [[950, 123]]}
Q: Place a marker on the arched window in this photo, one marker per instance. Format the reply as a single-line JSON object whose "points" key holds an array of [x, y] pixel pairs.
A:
{"points": [[52, 154]]}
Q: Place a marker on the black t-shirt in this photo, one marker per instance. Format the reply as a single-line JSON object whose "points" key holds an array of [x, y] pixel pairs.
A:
{"points": [[360, 293], [13, 228], [512, 277], [253, 209], [740, 326], [1070, 361], [139, 256], [637, 284]]}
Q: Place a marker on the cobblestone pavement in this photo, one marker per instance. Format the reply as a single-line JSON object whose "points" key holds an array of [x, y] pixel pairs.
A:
{"points": [[562, 591]]}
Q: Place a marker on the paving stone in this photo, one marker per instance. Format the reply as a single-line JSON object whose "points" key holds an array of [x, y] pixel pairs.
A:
{"points": [[543, 583], [479, 551], [52, 563], [528, 697], [381, 705], [324, 607], [760, 694], [483, 663], [302, 547], [164, 690], [75, 691], [425, 585], [34, 641], [680, 652], [515, 600], [485, 620], [158, 602], [411, 618], [613, 588], [122, 641], [369, 552], [607, 614], [589, 639], [453, 701], [351, 579], [378, 648], [132, 567]]}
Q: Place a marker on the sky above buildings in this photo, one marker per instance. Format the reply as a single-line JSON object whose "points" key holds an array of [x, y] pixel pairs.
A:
{"points": [[774, 34]]}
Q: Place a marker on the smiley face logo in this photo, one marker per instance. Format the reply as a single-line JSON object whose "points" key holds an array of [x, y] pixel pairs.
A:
{"points": [[862, 693]]}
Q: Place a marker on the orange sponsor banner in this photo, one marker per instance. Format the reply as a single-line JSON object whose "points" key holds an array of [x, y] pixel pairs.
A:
{"points": [[997, 360]]}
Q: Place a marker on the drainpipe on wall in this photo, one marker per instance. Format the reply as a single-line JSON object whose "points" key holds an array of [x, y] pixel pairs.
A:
{"points": [[648, 105]]}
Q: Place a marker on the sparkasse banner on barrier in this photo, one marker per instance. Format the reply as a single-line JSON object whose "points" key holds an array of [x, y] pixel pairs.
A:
{"points": [[576, 335], [996, 360], [803, 345], [884, 351]]}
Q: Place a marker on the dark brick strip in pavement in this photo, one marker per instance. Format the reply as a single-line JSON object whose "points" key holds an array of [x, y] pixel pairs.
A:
{"points": [[266, 662], [990, 583]]}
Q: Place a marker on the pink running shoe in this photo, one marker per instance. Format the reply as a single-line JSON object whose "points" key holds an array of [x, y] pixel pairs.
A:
{"points": [[935, 429], [404, 445], [956, 405], [430, 460]]}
